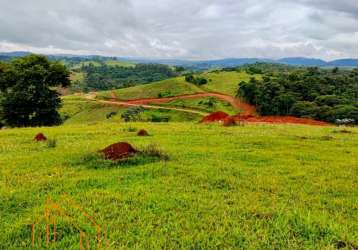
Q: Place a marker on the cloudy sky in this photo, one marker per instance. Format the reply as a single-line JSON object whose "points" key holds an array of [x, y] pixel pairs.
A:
{"points": [[190, 29]]}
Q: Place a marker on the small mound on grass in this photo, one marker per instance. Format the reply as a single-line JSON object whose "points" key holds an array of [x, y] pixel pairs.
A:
{"points": [[118, 151], [40, 137], [229, 121], [143, 132], [215, 117]]}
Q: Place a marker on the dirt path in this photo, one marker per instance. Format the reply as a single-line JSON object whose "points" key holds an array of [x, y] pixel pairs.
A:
{"points": [[127, 104], [243, 108]]}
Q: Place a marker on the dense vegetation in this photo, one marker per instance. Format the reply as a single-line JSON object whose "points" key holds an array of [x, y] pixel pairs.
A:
{"points": [[329, 95], [197, 80], [105, 77], [27, 97]]}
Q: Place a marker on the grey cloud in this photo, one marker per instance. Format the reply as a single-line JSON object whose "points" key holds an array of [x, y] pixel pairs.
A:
{"points": [[200, 29]]}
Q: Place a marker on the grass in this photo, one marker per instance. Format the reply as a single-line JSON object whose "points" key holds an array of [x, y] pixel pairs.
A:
{"points": [[206, 104], [107, 62], [119, 63], [169, 87], [225, 82], [250, 187]]}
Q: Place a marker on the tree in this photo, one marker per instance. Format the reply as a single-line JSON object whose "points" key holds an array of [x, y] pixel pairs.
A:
{"points": [[28, 92]]}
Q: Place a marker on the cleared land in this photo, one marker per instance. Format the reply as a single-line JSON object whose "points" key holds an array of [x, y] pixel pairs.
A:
{"points": [[77, 109], [252, 187]]}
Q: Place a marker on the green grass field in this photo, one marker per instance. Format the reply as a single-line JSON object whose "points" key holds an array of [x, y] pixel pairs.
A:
{"points": [[225, 82], [246, 187], [170, 87], [107, 62], [206, 104]]}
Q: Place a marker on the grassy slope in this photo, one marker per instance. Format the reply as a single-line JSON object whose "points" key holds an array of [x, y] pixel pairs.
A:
{"points": [[169, 87], [108, 62], [202, 104], [81, 111], [225, 82], [252, 187]]}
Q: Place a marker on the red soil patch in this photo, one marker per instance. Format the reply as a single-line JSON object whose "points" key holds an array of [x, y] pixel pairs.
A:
{"points": [[40, 137], [229, 121], [143, 132], [215, 117], [280, 120], [118, 151]]}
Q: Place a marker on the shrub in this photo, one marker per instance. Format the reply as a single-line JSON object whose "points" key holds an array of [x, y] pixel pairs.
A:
{"points": [[132, 114], [153, 150], [157, 118], [111, 114]]}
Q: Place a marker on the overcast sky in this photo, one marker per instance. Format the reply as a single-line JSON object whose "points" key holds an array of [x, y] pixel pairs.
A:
{"points": [[190, 29]]}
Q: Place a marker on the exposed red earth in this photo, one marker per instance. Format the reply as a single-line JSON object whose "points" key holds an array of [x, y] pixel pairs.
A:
{"points": [[229, 121], [143, 132], [40, 137], [118, 151], [215, 117]]}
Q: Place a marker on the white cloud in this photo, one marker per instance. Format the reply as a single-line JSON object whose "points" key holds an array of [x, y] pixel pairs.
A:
{"points": [[200, 29]]}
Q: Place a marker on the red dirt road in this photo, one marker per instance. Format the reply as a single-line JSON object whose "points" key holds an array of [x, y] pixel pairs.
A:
{"points": [[243, 108]]}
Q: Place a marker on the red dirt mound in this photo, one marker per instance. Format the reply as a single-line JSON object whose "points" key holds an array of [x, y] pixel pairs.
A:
{"points": [[143, 132], [118, 151], [229, 121], [215, 117], [40, 137]]}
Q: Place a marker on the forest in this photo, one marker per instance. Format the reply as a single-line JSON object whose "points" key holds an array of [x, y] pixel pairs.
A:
{"points": [[105, 77], [324, 94]]}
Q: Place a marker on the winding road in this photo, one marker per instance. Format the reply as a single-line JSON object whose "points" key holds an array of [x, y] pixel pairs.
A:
{"points": [[241, 107]]}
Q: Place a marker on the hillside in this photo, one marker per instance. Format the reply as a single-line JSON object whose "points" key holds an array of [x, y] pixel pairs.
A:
{"points": [[170, 87], [225, 82]]}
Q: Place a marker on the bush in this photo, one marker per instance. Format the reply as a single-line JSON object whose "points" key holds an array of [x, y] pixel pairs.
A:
{"points": [[153, 150], [157, 118], [196, 80], [132, 114]]}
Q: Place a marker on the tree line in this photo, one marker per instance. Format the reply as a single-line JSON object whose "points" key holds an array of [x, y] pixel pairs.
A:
{"points": [[106, 77], [328, 95]]}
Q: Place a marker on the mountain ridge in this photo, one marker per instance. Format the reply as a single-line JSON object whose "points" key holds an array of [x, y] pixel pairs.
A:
{"points": [[206, 64]]}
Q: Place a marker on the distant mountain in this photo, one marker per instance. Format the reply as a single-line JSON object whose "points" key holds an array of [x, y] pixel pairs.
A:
{"points": [[204, 64], [231, 62], [344, 63], [15, 54], [302, 61]]}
